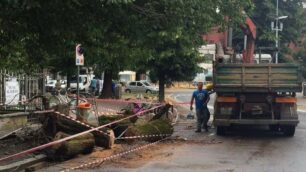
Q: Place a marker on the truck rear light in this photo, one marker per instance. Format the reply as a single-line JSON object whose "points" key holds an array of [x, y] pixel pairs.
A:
{"points": [[227, 100], [285, 100]]}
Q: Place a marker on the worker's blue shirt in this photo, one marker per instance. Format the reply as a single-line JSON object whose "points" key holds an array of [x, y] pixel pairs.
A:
{"points": [[93, 83], [200, 97]]}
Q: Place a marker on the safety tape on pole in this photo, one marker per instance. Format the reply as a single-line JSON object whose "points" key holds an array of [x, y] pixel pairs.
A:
{"points": [[136, 101], [105, 113], [109, 110], [143, 136], [123, 101], [100, 161], [22, 153]]}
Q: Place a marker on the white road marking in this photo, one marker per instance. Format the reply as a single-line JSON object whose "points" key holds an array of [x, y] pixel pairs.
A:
{"points": [[303, 111]]}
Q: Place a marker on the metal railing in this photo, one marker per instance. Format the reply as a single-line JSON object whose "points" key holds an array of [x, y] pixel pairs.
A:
{"points": [[29, 86]]}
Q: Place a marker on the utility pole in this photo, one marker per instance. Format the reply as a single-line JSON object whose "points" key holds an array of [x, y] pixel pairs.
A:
{"points": [[276, 34], [79, 62], [277, 27]]}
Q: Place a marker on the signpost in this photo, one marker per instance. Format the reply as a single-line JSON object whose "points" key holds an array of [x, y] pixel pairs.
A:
{"points": [[12, 92], [79, 60]]}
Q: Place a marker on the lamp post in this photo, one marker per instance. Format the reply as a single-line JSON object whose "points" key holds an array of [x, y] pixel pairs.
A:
{"points": [[277, 27]]}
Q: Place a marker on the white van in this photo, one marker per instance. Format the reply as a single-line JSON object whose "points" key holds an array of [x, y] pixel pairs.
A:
{"points": [[84, 82]]}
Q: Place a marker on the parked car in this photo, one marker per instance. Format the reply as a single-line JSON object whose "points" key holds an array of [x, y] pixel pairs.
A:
{"points": [[141, 86]]}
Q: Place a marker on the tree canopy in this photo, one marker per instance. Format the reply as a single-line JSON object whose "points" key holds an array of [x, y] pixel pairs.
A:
{"points": [[160, 36], [264, 13]]}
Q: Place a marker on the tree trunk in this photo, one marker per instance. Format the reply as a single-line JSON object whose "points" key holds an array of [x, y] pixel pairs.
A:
{"points": [[54, 123], [138, 76], [158, 127], [80, 145], [161, 88], [107, 91], [68, 79]]}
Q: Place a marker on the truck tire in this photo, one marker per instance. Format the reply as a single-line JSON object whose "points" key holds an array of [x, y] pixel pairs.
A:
{"points": [[288, 130], [149, 92], [128, 91], [221, 130]]}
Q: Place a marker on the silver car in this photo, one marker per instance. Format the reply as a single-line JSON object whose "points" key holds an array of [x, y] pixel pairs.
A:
{"points": [[141, 86]]}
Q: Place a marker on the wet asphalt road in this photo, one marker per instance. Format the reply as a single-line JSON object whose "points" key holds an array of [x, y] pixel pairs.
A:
{"points": [[245, 149]]}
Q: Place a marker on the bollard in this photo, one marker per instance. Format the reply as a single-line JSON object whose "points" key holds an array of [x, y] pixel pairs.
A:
{"points": [[83, 111]]}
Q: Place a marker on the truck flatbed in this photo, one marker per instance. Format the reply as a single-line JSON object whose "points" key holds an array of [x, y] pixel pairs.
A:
{"points": [[265, 78]]}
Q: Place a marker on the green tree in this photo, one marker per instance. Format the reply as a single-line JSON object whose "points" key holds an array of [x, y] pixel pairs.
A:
{"points": [[116, 34], [171, 31], [264, 13]]}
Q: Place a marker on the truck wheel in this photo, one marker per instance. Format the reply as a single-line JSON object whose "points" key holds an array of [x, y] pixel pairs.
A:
{"points": [[128, 91], [221, 130], [288, 130], [149, 92]]}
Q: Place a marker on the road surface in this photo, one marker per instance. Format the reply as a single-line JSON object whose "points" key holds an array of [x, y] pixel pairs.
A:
{"points": [[246, 149]]}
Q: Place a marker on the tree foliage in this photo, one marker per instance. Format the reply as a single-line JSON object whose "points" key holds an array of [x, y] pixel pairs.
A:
{"points": [[265, 12], [173, 30], [161, 36]]}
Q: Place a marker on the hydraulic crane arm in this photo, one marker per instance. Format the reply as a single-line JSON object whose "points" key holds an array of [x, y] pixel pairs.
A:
{"points": [[249, 29]]}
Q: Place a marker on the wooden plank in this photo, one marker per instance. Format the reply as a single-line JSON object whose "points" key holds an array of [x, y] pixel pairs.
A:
{"points": [[21, 165], [10, 134], [256, 76], [273, 77]]}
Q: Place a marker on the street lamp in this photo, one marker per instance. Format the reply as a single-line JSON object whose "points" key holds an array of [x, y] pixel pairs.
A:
{"points": [[277, 27], [282, 17]]}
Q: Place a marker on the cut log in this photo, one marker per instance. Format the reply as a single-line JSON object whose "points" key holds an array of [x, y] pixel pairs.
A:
{"points": [[80, 145], [104, 139], [156, 127], [105, 119], [117, 128], [53, 123]]}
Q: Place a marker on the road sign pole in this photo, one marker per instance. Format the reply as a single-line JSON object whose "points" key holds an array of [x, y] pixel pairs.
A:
{"points": [[79, 62], [78, 89]]}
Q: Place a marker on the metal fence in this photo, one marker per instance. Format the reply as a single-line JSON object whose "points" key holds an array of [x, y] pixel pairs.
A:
{"points": [[29, 86]]}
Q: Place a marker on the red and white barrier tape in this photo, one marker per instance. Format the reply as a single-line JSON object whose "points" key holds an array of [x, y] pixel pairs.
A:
{"points": [[100, 161], [122, 101], [20, 154], [42, 112], [143, 136], [79, 122], [105, 113], [109, 110]]}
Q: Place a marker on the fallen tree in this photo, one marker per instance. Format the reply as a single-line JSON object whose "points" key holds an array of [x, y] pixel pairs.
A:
{"points": [[158, 127], [54, 123], [159, 124], [80, 145]]}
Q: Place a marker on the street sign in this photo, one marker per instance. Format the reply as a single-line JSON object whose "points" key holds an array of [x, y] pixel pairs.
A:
{"points": [[79, 57], [12, 92]]}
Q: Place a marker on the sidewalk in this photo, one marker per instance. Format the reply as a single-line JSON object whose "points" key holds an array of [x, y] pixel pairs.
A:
{"points": [[301, 102]]}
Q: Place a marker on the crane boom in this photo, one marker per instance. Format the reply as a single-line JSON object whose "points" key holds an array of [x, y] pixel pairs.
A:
{"points": [[249, 29]]}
